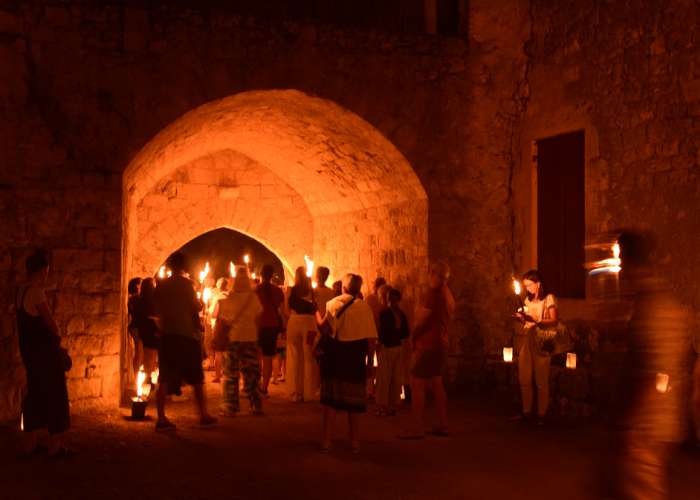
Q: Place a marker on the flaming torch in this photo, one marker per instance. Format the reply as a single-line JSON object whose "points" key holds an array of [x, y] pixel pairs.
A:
{"points": [[139, 402], [161, 272], [309, 266], [518, 290], [232, 269], [204, 273]]}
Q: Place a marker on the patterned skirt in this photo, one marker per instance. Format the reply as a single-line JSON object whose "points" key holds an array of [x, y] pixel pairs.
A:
{"points": [[344, 375]]}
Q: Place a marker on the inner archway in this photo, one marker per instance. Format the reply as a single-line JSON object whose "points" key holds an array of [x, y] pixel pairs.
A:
{"points": [[298, 173]]}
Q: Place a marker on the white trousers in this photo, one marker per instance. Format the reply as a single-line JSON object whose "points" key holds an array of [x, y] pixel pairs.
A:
{"points": [[532, 365], [302, 370]]}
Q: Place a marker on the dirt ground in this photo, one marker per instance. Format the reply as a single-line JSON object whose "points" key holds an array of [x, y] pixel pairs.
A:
{"points": [[277, 457]]}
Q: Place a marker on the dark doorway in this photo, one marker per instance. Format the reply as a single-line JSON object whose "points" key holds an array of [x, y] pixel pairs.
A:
{"points": [[222, 246], [561, 218]]}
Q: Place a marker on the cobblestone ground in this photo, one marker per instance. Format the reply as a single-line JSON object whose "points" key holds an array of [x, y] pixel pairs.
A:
{"points": [[276, 456]]}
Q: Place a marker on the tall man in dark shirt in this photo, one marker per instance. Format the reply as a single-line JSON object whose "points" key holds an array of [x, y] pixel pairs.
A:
{"points": [[180, 357]]}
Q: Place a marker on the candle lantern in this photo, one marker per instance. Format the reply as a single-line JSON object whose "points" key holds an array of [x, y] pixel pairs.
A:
{"points": [[571, 360], [140, 401], [508, 354], [662, 383]]}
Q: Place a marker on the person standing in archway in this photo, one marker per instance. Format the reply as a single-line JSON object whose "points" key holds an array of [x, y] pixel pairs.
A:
{"points": [[322, 293], [240, 316], [272, 322], [430, 344], [375, 303], [180, 357], [349, 331], [302, 323]]}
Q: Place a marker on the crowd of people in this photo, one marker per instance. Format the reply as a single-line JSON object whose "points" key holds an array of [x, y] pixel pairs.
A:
{"points": [[332, 344], [325, 339]]}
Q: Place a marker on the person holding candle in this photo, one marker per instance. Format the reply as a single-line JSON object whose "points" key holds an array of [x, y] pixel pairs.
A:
{"points": [[430, 346], [534, 356], [374, 301], [148, 332], [301, 365], [272, 321], [393, 329], [220, 292], [45, 405], [241, 312], [656, 373]]}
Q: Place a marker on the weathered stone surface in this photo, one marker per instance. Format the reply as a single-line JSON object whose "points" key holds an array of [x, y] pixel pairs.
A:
{"points": [[84, 90]]}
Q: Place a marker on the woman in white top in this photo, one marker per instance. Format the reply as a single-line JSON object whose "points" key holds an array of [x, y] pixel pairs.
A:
{"points": [[534, 358], [349, 333], [302, 371], [240, 312], [46, 402]]}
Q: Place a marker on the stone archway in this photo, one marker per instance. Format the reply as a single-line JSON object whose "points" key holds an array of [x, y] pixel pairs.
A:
{"points": [[298, 173]]}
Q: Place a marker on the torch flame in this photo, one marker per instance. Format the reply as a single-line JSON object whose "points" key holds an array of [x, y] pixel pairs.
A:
{"points": [[246, 259], [161, 272], [142, 391], [517, 289], [154, 376], [232, 269], [254, 276], [169, 273], [206, 295], [309, 266], [204, 272], [314, 284], [611, 265]]}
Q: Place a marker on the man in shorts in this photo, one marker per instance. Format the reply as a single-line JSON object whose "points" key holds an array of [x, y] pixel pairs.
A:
{"points": [[180, 357]]}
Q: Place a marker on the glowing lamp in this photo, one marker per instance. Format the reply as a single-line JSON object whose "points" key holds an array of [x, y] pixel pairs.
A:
{"points": [[571, 360], [662, 383], [508, 354]]}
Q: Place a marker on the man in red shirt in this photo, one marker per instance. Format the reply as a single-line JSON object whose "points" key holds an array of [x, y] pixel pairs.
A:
{"points": [[271, 321]]}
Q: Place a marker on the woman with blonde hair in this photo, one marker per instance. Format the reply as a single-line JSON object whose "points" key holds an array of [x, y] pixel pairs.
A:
{"points": [[239, 315], [302, 371]]}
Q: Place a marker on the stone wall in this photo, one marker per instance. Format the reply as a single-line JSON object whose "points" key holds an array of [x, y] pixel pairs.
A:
{"points": [[628, 74], [86, 86]]}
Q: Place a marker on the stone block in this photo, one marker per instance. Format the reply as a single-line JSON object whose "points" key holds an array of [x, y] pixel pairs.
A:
{"points": [[103, 325], [80, 388], [71, 260]]}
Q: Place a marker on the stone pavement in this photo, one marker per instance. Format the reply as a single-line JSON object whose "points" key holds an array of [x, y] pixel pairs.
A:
{"points": [[276, 456]]}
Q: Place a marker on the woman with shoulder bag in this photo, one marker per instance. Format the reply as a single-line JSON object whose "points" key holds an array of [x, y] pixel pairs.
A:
{"points": [[348, 331], [541, 329]]}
